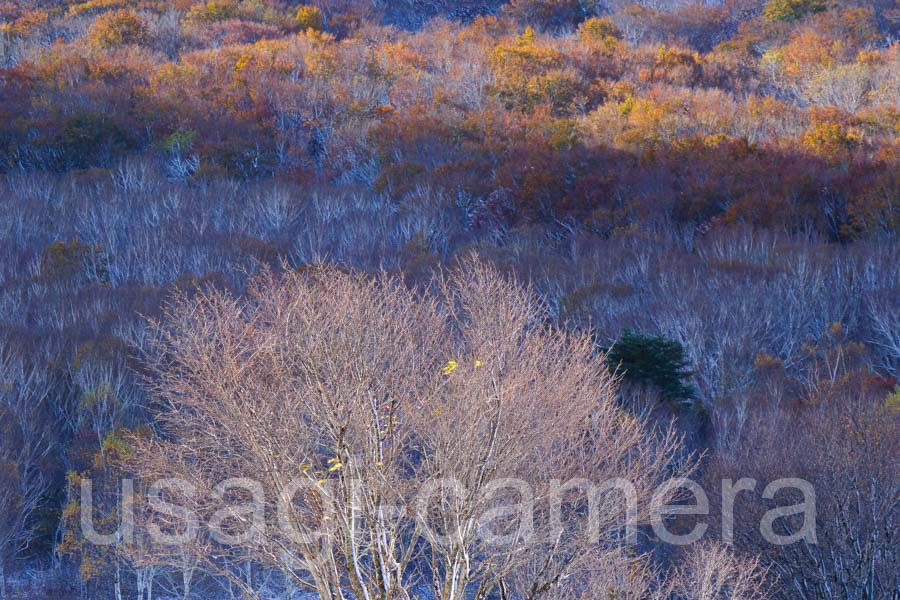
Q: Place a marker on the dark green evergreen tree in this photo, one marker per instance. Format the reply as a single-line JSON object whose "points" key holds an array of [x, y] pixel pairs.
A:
{"points": [[653, 360]]}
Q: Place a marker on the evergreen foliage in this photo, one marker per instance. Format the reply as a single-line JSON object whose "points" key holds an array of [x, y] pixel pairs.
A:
{"points": [[653, 360]]}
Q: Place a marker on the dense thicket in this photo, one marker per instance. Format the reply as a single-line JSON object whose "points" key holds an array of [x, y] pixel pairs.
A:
{"points": [[721, 174]]}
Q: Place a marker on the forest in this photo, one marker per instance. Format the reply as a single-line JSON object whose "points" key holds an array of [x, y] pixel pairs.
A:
{"points": [[349, 248]]}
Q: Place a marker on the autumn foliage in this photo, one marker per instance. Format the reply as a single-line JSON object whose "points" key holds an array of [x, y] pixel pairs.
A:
{"points": [[118, 28], [304, 93], [716, 185]]}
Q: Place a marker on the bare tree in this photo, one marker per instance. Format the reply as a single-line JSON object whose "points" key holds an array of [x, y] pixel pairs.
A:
{"points": [[24, 444], [712, 571], [885, 337], [11, 513], [621, 576], [845, 449], [389, 426], [845, 86]]}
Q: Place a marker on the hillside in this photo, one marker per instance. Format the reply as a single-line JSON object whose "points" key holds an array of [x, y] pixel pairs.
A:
{"points": [[696, 203]]}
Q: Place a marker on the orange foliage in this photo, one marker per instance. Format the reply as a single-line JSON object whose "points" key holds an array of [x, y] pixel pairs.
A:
{"points": [[118, 28], [262, 88]]}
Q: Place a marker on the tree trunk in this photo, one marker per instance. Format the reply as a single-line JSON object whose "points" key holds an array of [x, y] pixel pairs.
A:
{"points": [[144, 583], [118, 582], [2, 581], [186, 576]]}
